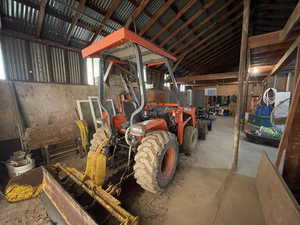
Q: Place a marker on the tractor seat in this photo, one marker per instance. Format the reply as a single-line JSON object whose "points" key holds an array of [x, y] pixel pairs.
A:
{"points": [[129, 108]]}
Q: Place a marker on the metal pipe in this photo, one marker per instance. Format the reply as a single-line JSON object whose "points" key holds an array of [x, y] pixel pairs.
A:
{"points": [[139, 66], [101, 90], [173, 80]]}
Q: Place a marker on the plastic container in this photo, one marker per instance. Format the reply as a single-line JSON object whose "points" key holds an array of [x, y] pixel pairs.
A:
{"points": [[19, 170]]}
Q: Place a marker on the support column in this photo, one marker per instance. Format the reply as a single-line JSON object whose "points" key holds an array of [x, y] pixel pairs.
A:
{"points": [[242, 75]]}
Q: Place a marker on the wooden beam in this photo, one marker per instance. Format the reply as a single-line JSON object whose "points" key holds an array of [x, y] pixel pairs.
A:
{"points": [[272, 48], [264, 39], [242, 75], [215, 42], [114, 5], [75, 19], [215, 32], [24, 36], [156, 16], [278, 204], [207, 77], [174, 19], [292, 21], [41, 16], [137, 12], [222, 52], [189, 21], [211, 48], [291, 49], [207, 20]]}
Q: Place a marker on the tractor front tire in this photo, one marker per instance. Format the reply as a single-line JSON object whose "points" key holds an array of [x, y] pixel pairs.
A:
{"points": [[156, 161], [190, 138]]}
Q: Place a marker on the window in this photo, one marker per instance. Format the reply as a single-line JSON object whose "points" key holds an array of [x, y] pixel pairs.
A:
{"points": [[2, 69], [93, 70], [166, 80], [182, 88]]}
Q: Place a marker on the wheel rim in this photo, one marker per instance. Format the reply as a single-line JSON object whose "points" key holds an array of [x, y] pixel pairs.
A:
{"points": [[168, 162]]}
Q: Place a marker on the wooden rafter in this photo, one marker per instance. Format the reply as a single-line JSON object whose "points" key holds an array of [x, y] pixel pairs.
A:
{"points": [[189, 21], [291, 49], [292, 21], [137, 12], [264, 39], [174, 19], [156, 16], [216, 43], [212, 51], [114, 5], [223, 51], [75, 19], [205, 21], [204, 31], [41, 16], [211, 35]]}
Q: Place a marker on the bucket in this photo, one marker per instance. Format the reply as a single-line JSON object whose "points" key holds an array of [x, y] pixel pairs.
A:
{"points": [[19, 170]]}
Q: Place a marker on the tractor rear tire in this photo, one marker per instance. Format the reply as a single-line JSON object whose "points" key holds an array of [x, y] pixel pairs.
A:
{"points": [[202, 130], [156, 161], [190, 139]]}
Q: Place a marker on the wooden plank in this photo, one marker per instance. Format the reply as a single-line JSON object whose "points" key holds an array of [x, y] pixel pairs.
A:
{"points": [[278, 204], [207, 20], [211, 35], [41, 17], [137, 12], [207, 77], [189, 21], [108, 14], [242, 75], [156, 16], [292, 21], [267, 39], [75, 19], [174, 19], [291, 49]]}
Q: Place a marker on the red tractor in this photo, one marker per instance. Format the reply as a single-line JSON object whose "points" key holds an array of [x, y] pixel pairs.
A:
{"points": [[150, 134]]}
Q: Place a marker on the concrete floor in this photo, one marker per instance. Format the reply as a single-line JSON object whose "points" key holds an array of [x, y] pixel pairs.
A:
{"points": [[203, 191], [216, 150]]}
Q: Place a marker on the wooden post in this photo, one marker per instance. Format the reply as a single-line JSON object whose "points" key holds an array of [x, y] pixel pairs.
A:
{"points": [[296, 96], [246, 84], [242, 74]]}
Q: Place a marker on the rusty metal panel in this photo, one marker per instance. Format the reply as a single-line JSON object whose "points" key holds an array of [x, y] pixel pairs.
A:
{"points": [[15, 57], [68, 208], [40, 65], [74, 67], [58, 65]]}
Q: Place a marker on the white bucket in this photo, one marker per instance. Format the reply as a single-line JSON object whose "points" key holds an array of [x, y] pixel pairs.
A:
{"points": [[19, 170]]}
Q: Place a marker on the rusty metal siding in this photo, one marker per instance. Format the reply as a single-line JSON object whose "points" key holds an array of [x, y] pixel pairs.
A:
{"points": [[14, 54], [31, 61]]}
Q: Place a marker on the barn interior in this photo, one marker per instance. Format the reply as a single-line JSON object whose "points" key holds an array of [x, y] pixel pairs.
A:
{"points": [[149, 112]]}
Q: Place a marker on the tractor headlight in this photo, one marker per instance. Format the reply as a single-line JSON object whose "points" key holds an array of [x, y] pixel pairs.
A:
{"points": [[137, 130]]}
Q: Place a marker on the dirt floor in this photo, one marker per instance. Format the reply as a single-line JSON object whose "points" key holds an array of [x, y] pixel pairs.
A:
{"points": [[203, 191]]}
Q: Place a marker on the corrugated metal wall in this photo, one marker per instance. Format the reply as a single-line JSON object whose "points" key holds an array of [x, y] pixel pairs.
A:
{"points": [[31, 61]]}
